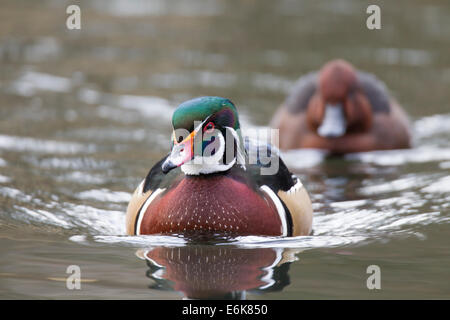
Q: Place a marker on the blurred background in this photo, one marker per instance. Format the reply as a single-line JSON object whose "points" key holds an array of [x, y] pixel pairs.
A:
{"points": [[84, 114]]}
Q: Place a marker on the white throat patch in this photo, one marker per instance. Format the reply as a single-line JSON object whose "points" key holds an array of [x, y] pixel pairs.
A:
{"points": [[206, 165]]}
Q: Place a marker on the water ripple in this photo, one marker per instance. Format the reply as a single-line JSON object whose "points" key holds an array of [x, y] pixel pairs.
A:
{"points": [[31, 82], [24, 144]]}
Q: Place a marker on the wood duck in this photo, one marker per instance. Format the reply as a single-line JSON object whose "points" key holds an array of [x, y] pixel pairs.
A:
{"points": [[341, 110], [208, 185]]}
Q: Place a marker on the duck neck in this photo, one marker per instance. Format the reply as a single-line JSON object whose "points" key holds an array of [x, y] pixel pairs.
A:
{"points": [[230, 153]]}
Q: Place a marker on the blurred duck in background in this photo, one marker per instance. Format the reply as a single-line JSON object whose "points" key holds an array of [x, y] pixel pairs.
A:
{"points": [[341, 110]]}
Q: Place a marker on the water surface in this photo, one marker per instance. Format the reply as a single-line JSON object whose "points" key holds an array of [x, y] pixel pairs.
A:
{"points": [[85, 113]]}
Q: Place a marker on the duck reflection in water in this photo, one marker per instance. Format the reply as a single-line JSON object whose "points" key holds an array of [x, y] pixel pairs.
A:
{"points": [[218, 272]]}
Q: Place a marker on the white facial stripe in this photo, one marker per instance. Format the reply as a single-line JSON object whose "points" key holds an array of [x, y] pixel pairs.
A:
{"points": [[178, 154], [199, 127], [192, 169], [144, 208], [207, 165], [240, 156], [196, 130], [280, 209]]}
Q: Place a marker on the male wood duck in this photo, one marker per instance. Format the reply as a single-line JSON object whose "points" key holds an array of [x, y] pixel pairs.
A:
{"points": [[205, 185], [341, 110]]}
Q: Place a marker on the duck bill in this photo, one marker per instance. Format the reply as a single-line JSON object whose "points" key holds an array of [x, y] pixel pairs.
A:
{"points": [[334, 123], [181, 153]]}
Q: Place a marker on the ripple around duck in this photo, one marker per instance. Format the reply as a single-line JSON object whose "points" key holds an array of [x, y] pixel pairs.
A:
{"points": [[351, 223], [421, 154], [243, 242], [71, 217], [441, 186], [30, 209], [384, 207], [68, 163], [27, 144], [159, 7], [147, 106], [104, 195], [431, 126], [31, 82], [4, 179]]}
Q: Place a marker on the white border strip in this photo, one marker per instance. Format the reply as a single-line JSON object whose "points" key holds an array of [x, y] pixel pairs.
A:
{"points": [[144, 209], [280, 208]]}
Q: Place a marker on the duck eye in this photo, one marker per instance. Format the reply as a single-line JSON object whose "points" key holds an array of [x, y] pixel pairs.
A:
{"points": [[209, 127], [178, 140]]}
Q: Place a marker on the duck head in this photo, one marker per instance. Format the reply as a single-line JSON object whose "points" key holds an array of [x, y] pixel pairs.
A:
{"points": [[206, 137], [340, 106]]}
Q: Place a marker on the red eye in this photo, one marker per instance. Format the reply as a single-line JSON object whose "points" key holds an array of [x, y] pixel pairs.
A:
{"points": [[209, 127]]}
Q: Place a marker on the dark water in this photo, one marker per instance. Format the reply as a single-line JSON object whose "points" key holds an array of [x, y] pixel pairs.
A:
{"points": [[85, 113]]}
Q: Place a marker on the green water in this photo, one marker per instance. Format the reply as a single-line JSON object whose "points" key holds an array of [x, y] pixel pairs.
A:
{"points": [[85, 113]]}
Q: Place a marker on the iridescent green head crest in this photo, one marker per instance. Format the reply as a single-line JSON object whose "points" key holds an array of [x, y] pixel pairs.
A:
{"points": [[219, 110]]}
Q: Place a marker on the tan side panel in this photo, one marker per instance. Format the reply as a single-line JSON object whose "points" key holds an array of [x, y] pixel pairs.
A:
{"points": [[300, 207], [136, 202]]}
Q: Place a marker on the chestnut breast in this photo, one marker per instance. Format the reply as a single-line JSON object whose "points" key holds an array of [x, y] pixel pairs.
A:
{"points": [[217, 204]]}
